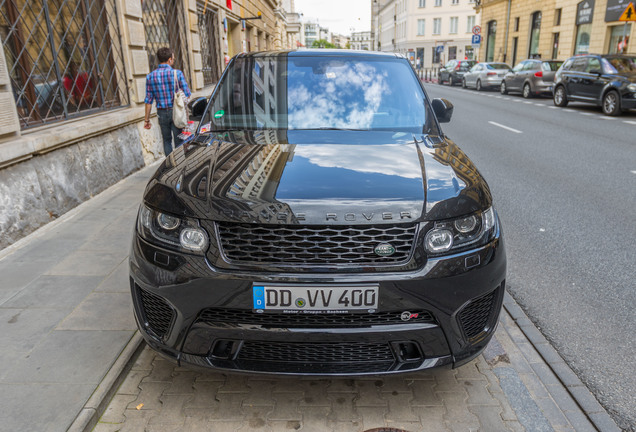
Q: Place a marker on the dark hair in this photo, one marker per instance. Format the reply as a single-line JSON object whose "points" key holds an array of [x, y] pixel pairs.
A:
{"points": [[164, 54]]}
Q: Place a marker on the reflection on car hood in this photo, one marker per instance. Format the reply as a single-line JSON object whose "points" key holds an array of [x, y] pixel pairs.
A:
{"points": [[318, 177]]}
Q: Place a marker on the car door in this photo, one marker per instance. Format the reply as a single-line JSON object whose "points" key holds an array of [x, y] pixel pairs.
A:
{"points": [[593, 83], [574, 78], [472, 74], [515, 78]]}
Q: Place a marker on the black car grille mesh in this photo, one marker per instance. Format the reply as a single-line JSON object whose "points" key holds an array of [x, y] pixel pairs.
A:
{"points": [[314, 245], [158, 313], [475, 317], [234, 317], [333, 353]]}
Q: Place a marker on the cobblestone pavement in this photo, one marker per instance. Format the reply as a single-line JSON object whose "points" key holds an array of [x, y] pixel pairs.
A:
{"points": [[508, 388]]}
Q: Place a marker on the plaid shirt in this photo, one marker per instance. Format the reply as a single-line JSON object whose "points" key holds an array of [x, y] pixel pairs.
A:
{"points": [[160, 86]]}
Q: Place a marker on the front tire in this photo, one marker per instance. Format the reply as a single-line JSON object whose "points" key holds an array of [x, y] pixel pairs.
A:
{"points": [[451, 81], [527, 91], [464, 83], [611, 103], [560, 98], [478, 85], [502, 88], [439, 80]]}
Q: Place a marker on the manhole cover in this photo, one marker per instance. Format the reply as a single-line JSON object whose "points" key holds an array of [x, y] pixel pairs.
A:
{"points": [[385, 429]]}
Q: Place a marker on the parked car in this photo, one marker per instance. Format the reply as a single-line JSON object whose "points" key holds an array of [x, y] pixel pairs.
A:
{"points": [[608, 81], [485, 75], [453, 71], [320, 222], [531, 77]]}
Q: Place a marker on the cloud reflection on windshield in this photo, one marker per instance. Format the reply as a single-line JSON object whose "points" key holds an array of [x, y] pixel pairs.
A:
{"points": [[344, 97]]}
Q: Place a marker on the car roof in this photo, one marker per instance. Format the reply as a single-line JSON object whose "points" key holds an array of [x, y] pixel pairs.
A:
{"points": [[318, 52]]}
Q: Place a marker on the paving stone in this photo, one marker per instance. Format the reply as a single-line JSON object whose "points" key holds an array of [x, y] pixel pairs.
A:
{"points": [[371, 396], [344, 426], [342, 385], [446, 382], [562, 398], [315, 394], [314, 416], [162, 371], [372, 417], [150, 394], [235, 384], [405, 425], [565, 374], [229, 406], [534, 385], [87, 263], [457, 415], [261, 395], [117, 280], [182, 383], [342, 408], [107, 427], [530, 354], [211, 377], [424, 394], [470, 371], [432, 418], [527, 411], [489, 417], [552, 412], [395, 384], [130, 386], [604, 422], [197, 423], [585, 399], [514, 426], [548, 353], [255, 419], [507, 413], [204, 395], [114, 413], [400, 408], [478, 394], [579, 421], [145, 359], [17, 275], [286, 406]]}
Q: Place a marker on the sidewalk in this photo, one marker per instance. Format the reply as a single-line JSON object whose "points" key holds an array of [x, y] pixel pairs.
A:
{"points": [[69, 340]]}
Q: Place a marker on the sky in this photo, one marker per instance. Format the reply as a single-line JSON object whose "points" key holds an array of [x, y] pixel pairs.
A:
{"points": [[340, 16]]}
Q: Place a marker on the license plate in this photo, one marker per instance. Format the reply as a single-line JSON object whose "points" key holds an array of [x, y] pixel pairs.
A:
{"points": [[315, 299]]}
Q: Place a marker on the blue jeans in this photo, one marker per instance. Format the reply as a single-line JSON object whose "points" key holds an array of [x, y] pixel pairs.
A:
{"points": [[168, 130]]}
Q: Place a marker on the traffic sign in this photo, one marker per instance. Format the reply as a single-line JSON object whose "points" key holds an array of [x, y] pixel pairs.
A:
{"points": [[439, 49], [629, 14], [477, 30], [476, 40]]}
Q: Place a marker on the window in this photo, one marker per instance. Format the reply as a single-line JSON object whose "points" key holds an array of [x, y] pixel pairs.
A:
{"points": [[555, 45], [421, 27], [517, 24], [582, 45], [535, 29], [490, 40], [453, 25], [422, 3], [455, 2], [557, 17], [618, 42], [470, 23], [64, 60], [452, 52], [208, 29], [593, 65], [438, 3], [437, 26]]}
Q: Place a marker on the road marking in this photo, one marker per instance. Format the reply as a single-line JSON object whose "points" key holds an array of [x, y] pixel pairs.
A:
{"points": [[505, 127], [633, 171], [551, 107], [529, 103], [569, 110], [587, 114], [629, 122], [538, 104], [608, 118]]}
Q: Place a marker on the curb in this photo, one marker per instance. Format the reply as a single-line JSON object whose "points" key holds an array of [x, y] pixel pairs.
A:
{"points": [[574, 386], [90, 414]]}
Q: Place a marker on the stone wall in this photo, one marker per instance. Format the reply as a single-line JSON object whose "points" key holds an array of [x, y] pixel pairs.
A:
{"points": [[39, 190]]}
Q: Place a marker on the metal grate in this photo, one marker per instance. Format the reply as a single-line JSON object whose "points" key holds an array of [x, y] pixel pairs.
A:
{"points": [[159, 314], [162, 21], [234, 317], [314, 245], [339, 353], [64, 58], [475, 317], [210, 50]]}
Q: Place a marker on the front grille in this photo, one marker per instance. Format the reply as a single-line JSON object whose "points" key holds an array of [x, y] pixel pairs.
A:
{"points": [[314, 245], [475, 317], [158, 313], [235, 317], [326, 353]]}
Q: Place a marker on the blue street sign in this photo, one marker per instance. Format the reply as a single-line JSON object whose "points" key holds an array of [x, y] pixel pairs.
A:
{"points": [[439, 49], [476, 39]]}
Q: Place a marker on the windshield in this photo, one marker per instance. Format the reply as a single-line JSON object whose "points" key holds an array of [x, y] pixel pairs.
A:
{"points": [[620, 65], [318, 92]]}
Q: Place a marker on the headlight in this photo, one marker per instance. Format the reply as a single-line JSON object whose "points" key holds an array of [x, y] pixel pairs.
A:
{"points": [[454, 235], [178, 233], [631, 87]]}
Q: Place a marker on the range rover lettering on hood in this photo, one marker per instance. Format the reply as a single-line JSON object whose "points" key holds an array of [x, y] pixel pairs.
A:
{"points": [[291, 217]]}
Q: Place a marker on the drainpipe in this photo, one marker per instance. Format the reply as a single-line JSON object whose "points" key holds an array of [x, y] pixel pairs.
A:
{"points": [[507, 30]]}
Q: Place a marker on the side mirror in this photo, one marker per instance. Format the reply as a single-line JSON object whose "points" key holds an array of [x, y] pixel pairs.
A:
{"points": [[595, 71], [197, 107], [443, 110]]}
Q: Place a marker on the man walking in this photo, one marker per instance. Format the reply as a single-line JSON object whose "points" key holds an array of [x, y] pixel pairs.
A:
{"points": [[160, 85]]}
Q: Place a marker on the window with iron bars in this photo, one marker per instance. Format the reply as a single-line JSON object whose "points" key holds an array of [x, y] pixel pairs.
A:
{"points": [[162, 21], [64, 58], [210, 51]]}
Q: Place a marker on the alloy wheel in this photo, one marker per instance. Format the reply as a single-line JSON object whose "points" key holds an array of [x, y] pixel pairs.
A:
{"points": [[611, 103], [527, 92], [478, 85], [502, 88], [560, 98]]}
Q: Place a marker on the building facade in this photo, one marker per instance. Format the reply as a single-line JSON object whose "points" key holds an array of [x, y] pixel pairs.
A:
{"points": [[72, 86], [361, 41], [514, 30], [428, 32]]}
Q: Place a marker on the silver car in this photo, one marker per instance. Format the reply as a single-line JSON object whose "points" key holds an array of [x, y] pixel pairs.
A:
{"points": [[485, 75], [531, 78]]}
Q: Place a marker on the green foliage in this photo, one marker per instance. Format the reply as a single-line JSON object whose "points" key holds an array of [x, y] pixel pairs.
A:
{"points": [[322, 43]]}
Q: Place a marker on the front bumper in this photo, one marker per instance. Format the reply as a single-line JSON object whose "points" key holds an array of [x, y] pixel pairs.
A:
{"points": [[202, 317]]}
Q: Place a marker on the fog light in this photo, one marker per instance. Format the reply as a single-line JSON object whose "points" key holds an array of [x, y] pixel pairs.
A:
{"points": [[194, 239], [438, 240]]}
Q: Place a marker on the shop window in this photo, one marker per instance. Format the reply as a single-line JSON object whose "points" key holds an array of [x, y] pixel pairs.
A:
{"points": [[64, 58], [535, 31]]}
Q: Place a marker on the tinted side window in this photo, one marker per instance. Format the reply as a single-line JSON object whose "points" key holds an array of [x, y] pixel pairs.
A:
{"points": [[579, 64], [593, 65], [531, 65], [519, 67], [568, 64]]}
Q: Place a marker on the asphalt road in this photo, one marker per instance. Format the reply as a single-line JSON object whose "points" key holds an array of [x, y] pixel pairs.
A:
{"points": [[564, 183]]}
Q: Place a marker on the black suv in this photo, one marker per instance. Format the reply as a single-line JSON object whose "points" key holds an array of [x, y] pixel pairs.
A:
{"points": [[319, 222], [453, 71], [609, 81]]}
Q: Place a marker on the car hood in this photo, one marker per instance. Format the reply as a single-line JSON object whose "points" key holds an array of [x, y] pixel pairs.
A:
{"points": [[318, 177]]}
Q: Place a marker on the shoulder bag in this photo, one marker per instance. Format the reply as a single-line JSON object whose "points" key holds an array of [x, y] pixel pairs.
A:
{"points": [[179, 112]]}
